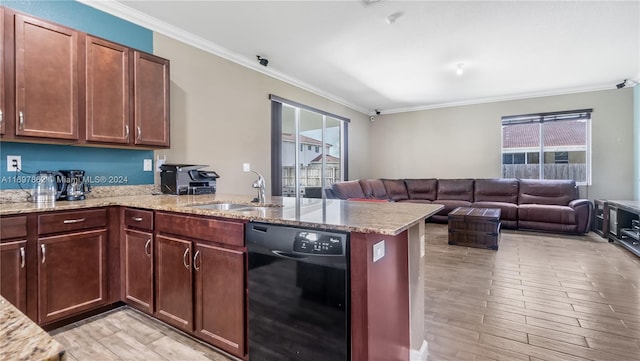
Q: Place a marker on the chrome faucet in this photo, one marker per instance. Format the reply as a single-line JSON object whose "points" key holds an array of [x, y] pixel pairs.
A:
{"points": [[261, 185]]}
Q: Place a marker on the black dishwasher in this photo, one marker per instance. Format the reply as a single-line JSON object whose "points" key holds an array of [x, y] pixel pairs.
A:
{"points": [[298, 293]]}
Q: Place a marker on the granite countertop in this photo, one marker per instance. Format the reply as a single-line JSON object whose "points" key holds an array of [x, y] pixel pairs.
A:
{"points": [[22, 339], [335, 214]]}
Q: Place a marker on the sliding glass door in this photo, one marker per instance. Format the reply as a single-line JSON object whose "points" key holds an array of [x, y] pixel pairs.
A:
{"points": [[310, 152]]}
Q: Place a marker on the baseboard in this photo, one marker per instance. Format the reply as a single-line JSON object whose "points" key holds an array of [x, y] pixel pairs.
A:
{"points": [[420, 355]]}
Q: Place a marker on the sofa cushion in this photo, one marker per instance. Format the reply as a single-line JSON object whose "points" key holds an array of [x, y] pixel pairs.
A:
{"points": [[547, 213], [373, 189], [543, 191], [496, 190], [396, 190], [348, 189], [455, 189], [450, 205], [508, 211], [425, 189]]}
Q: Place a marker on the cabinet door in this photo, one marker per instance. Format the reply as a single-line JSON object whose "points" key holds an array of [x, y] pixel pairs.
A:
{"points": [[71, 274], [151, 100], [13, 275], [220, 297], [107, 91], [138, 270], [173, 280], [3, 110], [46, 63]]}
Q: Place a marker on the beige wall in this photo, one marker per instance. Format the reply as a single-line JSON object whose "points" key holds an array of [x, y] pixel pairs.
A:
{"points": [[220, 116], [464, 141]]}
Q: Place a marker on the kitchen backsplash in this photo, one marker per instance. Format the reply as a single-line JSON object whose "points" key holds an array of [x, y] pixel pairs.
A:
{"points": [[103, 166]]}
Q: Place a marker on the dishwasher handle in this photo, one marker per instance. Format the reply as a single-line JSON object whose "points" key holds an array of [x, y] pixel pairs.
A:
{"points": [[288, 255]]}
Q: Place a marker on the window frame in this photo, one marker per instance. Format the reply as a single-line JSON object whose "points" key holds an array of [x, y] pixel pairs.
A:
{"points": [[545, 118]]}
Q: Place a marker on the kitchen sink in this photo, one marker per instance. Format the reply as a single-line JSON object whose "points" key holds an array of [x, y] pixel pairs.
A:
{"points": [[234, 207]]}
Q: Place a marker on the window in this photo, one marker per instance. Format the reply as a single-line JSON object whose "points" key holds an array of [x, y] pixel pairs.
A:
{"points": [[305, 173], [561, 140]]}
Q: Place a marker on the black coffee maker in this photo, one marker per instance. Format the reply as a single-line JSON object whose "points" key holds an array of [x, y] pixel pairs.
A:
{"points": [[72, 185]]}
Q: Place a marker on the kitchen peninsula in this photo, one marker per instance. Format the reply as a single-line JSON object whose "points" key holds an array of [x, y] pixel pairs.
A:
{"points": [[386, 295]]}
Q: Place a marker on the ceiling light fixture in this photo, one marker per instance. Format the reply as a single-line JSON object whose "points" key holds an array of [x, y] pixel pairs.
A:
{"points": [[460, 69], [393, 17]]}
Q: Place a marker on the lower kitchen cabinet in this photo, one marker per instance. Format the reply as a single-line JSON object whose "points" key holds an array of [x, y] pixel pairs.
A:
{"points": [[138, 270], [72, 274], [220, 294], [13, 275], [174, 279]]}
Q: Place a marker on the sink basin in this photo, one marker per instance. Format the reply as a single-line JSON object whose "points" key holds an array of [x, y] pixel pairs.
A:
{"points": [[233, 207], [223, 206]]}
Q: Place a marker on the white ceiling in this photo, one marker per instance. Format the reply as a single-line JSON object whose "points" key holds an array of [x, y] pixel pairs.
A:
{"points": [[346, 50]]}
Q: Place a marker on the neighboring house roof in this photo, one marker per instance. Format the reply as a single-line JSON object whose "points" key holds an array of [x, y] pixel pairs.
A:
{"points": [[330, 159], [556, 134], [288, 137]]}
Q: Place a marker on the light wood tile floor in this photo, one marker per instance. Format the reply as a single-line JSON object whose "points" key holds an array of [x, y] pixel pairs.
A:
{"points": [[540, 297], [126, 334]]}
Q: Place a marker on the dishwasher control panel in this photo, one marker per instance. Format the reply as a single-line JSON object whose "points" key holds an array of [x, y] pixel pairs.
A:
{"points": [[318, 243]]}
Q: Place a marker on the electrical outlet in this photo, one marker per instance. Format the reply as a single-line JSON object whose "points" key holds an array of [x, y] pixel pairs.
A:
{"points": [[147, 165], [14, 162], [378, 251], [160, 163], [246, 167]]}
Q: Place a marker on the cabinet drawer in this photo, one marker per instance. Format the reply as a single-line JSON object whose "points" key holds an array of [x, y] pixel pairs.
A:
{"points": [[138, 218], [71, 221], [208, 229], [13, 227]]}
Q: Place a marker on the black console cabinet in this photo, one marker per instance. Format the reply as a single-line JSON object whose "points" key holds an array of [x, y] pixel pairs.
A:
{"points": [[624, 217]]}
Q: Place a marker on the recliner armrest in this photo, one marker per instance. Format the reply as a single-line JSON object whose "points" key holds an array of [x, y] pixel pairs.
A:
{"points": [[584, 210]]}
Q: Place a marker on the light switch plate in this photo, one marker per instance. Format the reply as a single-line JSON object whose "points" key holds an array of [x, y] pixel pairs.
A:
{"points": [[148, 165], [246, 167], [378, 251]]}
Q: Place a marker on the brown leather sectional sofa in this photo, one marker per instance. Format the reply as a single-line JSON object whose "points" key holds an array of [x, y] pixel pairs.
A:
{"points": [[544, 205]]}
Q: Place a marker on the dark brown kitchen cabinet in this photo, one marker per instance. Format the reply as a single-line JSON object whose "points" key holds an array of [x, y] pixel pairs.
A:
{"points": [[137, 254], [174, 280], [71, 274], [13, 257], [71, 263], [151, 100], [107, 91], [138, 269], [13, 280], [216, 279], [46, 79], [219, 297], [3, 109]]}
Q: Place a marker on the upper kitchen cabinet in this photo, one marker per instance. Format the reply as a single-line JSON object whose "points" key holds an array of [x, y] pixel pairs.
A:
{"points": [[46, 79], [107, 91], [3, 110], [151, 100]]}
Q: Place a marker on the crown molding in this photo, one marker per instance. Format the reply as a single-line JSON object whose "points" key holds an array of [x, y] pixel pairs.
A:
{"points": [[501, 99], [122, 11]]}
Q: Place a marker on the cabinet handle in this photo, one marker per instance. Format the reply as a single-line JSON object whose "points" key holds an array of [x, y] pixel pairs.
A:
{"points": [[22, 257], [71, 221], [1, 118], [139, 132], [146, 246], [126, 131], [44, 253], [21, 119], [195, 258], [185, 258], [137, 219]]}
